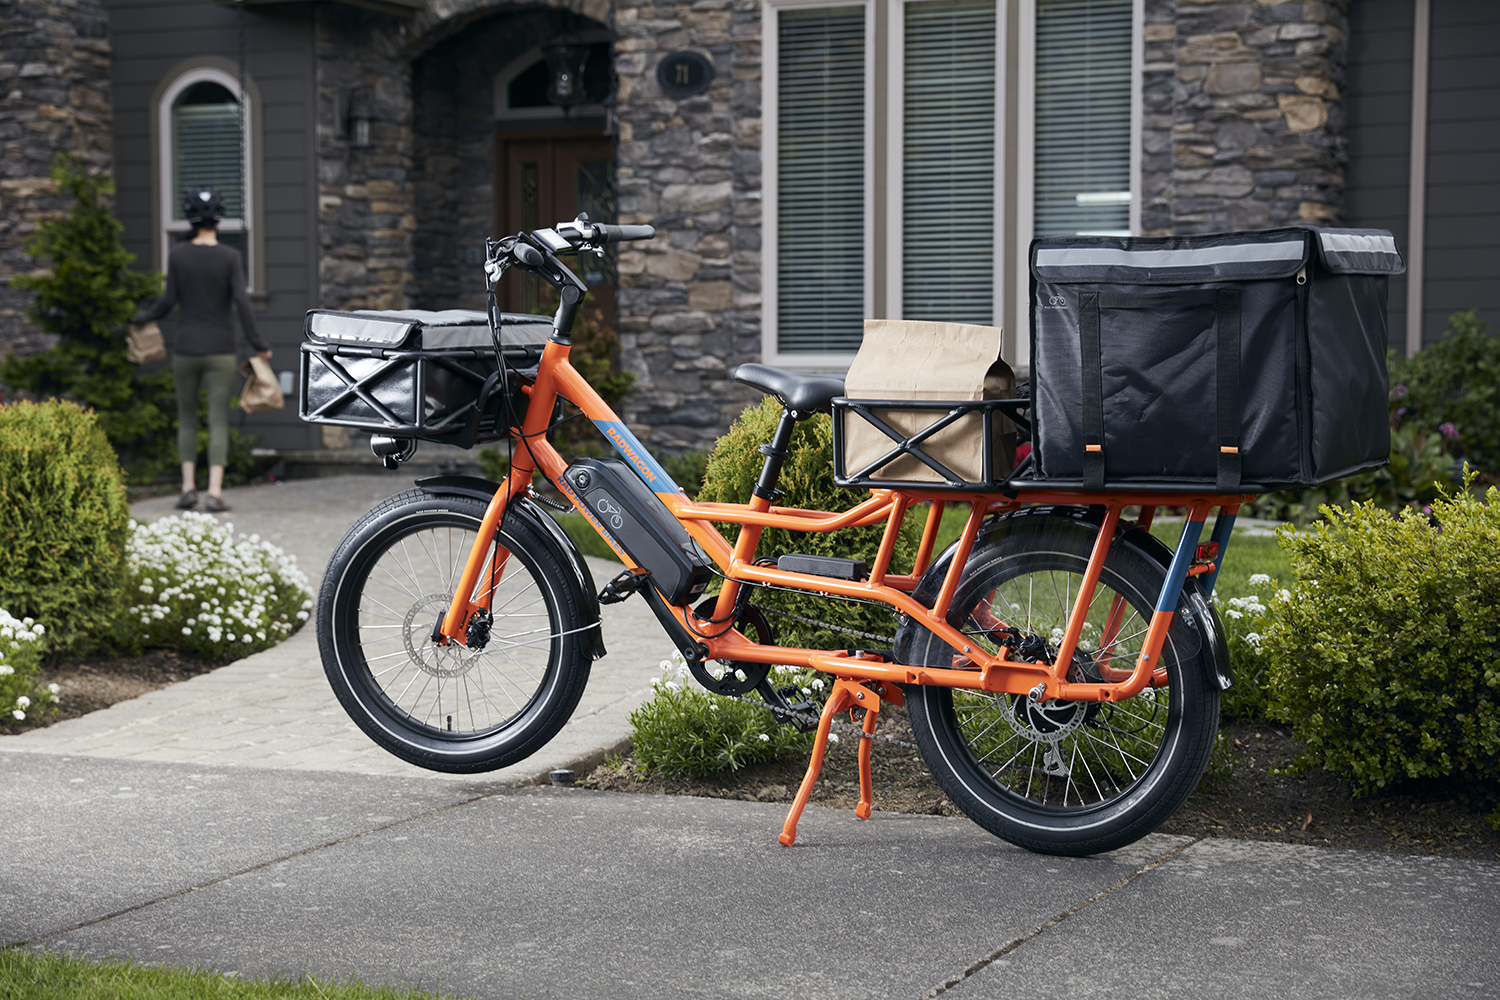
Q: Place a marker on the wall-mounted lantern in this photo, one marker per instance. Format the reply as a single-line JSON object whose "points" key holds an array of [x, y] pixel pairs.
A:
{"points": [[565, 66], [361, 110]]}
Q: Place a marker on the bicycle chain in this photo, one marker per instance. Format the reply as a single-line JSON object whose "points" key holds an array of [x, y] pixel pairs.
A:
{"points": [[813, 720], [887, 639]]}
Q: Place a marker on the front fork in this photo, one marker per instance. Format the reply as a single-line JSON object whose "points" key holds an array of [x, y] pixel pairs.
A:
{"points": [[481, 576]]}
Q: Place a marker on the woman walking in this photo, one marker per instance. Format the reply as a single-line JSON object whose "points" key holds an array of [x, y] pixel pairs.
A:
{"points": [[204, 277]]}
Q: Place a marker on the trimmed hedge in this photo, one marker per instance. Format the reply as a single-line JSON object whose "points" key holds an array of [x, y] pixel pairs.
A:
{"points": [[1385, 656], [63, 523]]}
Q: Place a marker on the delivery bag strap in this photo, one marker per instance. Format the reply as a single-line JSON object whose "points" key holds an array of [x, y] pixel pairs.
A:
{"points": [[1226, 303]]}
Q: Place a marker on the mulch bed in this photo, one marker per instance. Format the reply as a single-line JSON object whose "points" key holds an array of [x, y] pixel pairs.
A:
{"points": [[95, 682], [1252, 803]]}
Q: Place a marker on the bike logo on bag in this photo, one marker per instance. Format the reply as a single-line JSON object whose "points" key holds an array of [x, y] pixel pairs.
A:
{"points": [[1056, 302], [610, 511]]}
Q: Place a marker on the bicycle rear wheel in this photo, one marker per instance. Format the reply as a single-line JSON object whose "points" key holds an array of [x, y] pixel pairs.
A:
{"points": [[450, 707], [1071, 778]]}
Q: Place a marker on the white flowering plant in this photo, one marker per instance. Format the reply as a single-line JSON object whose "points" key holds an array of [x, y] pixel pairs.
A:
{"points": [[684, 730], [21, 645], [197, 587], [1246, 619]]}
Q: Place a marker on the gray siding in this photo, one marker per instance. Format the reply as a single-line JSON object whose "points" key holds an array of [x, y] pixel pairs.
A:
{"points": [[1379, 130], [150, 38], [1463, 164]]}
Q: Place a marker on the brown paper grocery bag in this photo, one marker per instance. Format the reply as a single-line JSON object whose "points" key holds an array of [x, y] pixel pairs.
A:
{"points": [[144, 343], [262, 391], [911, 359]]}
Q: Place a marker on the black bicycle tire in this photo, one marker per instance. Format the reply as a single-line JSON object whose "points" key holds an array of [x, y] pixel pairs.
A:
{"points": [[371, 707], [1188, 734]]}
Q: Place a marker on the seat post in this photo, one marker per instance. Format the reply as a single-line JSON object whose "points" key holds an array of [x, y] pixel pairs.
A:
{"points": [[775, 453]]}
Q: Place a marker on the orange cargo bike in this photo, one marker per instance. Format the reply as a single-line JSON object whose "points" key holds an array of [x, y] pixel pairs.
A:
{"points": [[1060, 666]]}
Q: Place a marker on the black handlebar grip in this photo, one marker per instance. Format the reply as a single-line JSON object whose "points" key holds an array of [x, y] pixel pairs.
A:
{"points": [[527, 254], [622, 234]]}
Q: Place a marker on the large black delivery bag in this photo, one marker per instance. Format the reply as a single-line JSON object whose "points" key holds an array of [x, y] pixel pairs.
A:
{"points": [[1229, 363]]}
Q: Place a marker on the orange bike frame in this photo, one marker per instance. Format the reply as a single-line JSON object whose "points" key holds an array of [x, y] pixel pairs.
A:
{"points": [[976, 667]]}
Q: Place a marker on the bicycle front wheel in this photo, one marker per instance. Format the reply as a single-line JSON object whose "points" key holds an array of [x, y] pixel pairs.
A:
{"points": [[453, 708], [1072, 778]]}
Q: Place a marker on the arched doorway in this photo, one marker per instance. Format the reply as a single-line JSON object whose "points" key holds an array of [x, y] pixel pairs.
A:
{"points": [[551, 165], [492, 155]]}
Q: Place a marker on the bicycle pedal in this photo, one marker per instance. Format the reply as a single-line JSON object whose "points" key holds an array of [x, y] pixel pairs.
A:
{"points": [[624, 585]]}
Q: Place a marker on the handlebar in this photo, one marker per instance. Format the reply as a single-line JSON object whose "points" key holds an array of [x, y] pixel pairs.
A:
{"points": [[622, 234]]}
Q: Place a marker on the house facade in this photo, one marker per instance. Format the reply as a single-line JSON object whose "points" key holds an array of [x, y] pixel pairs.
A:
{"points": [[807, 163]]}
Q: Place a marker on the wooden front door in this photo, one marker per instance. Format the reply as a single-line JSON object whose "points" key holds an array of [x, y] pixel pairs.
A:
{"points": [[544, 181]]}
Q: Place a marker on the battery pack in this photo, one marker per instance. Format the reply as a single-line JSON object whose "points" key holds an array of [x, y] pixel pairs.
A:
{"points": [[642, 525]]}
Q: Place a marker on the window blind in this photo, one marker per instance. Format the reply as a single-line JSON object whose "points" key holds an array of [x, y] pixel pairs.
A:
{"points": [[948, 187], [206, 153], [820, 127], [1082, 165]]}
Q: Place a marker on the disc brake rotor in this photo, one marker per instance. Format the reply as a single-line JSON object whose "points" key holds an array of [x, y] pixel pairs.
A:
{"points": [[452, 660]]}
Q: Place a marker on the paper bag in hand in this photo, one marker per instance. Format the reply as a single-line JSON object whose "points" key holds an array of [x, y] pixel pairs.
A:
{"points": [[143, 343], [908, 359], [262, 391]]}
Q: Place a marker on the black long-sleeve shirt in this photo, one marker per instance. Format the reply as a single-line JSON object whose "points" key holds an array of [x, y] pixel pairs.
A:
{"points": [[205, 280]]}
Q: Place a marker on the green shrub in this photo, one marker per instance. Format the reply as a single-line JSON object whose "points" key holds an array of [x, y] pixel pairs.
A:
{"points": [[20, 658], [202, 590], [86, 297], [1383, 656], [1454, 385], [63, 523], [687, 470], [807, 477], [684, 730]]}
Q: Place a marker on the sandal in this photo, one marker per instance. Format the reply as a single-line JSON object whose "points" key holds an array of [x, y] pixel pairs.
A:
{"points": [[188, 500]]}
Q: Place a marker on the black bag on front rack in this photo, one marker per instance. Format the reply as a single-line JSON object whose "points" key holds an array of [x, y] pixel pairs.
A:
{"points": [[1230, 363], [419, 374]]}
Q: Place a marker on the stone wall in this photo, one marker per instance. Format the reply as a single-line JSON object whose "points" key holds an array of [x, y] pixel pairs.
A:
{"points": [[689, 302], [1244, 116], [366, 217], [54, 97]]}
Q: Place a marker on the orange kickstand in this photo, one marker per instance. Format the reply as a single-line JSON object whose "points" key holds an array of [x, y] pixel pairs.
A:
{"points": [[847, 694]]}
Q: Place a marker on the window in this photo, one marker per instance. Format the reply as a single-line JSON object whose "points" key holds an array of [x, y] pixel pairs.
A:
{"points": [[1083, 127], [820, 167], [204, 131], [889, 190], [948, 162]]}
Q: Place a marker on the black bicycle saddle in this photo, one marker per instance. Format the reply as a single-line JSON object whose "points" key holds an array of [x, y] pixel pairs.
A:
{"points": [[795, 390]]}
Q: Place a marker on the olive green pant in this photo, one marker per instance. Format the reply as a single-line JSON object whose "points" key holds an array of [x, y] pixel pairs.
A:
{"points": [[215, 372]]}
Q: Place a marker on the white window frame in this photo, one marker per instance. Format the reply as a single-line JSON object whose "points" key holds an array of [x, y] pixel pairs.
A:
{"points": [[770, 182], [519, 65], [895, 193], [1020, 314], [167, 195]]}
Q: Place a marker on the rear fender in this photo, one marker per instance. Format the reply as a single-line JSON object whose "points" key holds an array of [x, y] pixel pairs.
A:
{"points": [[528, 510]]}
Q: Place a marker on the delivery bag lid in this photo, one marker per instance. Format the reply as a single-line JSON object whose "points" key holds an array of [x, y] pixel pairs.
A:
{"points": [[1257, 360], [424, 329]]}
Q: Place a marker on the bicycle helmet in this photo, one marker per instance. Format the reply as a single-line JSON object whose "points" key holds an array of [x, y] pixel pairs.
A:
{"points": [[202, 205]]}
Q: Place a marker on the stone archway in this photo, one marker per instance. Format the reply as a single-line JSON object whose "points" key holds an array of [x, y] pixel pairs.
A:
{"points": [[442, 19], [459, 160]]}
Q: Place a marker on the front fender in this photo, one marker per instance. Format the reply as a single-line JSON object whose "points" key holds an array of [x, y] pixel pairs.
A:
{"points": [[530, 511]]}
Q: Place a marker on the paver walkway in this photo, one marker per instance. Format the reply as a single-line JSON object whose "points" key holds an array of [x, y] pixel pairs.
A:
{"points": [[275, 709]]}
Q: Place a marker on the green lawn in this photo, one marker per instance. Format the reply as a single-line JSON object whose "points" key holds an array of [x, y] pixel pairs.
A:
{"points": [[29, 975]]}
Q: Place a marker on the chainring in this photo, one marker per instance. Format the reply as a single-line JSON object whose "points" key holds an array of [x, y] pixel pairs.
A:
{"points": [[735, 677]]}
